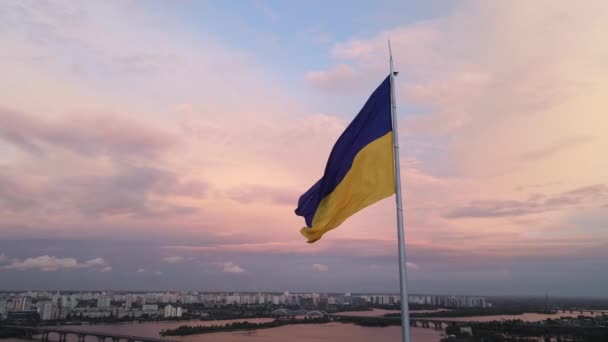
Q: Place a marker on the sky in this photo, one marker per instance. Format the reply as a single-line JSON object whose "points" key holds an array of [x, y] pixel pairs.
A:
{"points": [[157, 145]]}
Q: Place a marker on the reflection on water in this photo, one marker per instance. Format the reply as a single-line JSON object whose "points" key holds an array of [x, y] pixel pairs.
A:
{"points": [[296, 333], [293, 333], [320, 333]]}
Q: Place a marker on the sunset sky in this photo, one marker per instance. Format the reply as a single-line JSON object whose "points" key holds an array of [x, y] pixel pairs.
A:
{"points": [[164, 144]]}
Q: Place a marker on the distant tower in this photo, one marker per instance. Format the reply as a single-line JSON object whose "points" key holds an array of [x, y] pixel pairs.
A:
{"points": [[546, 301]]}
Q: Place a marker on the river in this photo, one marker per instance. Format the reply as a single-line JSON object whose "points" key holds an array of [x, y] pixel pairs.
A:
{"points": [[295, 333]]}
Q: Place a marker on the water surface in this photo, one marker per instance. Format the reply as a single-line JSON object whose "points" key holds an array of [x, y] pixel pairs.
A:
{"points": [[293, 333], [298, 333]]}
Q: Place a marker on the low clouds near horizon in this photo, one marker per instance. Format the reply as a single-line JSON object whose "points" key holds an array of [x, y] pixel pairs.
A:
{"points": [[192, 147], [46, 263]]}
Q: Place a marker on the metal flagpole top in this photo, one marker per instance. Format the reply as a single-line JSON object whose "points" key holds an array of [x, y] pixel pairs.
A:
{"points": [[390, 53]]}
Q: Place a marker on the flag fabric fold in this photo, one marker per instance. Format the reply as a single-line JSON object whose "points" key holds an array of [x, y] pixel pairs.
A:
{"points": [[359, 171]]}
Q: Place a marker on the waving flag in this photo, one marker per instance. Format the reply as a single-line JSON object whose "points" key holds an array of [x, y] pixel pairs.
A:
{"points": [[359, 172]]}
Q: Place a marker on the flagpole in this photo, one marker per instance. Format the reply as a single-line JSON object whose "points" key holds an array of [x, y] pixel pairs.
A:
{"points": [[405, 313]]}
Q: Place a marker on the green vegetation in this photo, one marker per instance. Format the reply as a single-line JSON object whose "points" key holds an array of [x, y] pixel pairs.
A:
{"points": [[361, 321], [235, 326], [465, 312], [583, 329], [369, 321], [211, 314], [587, 331]]}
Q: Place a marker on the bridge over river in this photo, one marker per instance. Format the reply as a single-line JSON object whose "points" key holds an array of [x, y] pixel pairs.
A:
{"points": [[436, 323], [62, 333]]}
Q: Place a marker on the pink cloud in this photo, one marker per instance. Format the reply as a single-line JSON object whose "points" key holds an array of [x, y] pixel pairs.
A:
{"points": [[174, 259], [230, 267], [101, 135], [359, 49], [258, 193], [564, 143], [339, 77], [126, 190], [274, 247], [411, 265], [538, 204], [320, 267]]}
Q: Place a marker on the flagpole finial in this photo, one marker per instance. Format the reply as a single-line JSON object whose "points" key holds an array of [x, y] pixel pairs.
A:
{"points": [[390, 53]]}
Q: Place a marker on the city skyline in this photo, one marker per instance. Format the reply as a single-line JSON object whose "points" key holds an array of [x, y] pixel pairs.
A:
{"points": [[129, 305], [177, 293], [163, 145]]}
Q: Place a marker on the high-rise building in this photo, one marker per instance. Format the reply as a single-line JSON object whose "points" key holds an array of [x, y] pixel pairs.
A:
{"points": [[150, 309], [323, 301], [22, 304], [46, 310], [73, 301], [56, 298], [3, 308], [65, 301], [170, 311], [104, 302], [233, 299]]}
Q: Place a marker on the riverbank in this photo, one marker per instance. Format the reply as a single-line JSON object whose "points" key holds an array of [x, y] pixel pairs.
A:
{"points": [[333, 331], [239, 326], [584, 329], [464, 312], [377, 321]]}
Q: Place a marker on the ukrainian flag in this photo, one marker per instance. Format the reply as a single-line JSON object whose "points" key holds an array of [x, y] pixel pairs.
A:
{"points": [[359, 172]]}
